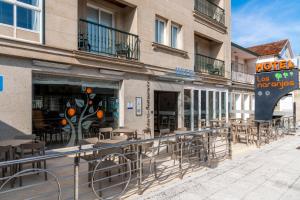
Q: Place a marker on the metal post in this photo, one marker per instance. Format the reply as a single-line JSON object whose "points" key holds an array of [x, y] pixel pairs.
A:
{"points": [[180, 158], [76, 177], [229, 143], [258, 135], [139, 165]]}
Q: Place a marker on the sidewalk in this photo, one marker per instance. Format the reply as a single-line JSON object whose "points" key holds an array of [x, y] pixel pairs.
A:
{"points": [[271, 172]]}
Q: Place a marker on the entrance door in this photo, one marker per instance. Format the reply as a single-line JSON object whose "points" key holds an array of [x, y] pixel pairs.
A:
{"points": [[165, 110], [100, 37]]}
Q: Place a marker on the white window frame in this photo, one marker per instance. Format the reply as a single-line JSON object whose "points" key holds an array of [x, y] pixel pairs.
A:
{"points": [[178, 45], [100, 9], [38, 8], [164, 42]]}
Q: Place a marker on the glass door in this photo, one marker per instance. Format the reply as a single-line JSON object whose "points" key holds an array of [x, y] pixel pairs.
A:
{"points": [[92, 29], [100, 37], [107, 41], [196, 109], [187, 109]]}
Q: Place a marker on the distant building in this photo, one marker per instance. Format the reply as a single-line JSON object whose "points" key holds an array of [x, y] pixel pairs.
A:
{"points": [[241, 96]]}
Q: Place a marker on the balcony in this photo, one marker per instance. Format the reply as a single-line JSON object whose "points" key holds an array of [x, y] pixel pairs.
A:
{"points": [[239, 74], [99, 39], [210, 10], [208, 65]]}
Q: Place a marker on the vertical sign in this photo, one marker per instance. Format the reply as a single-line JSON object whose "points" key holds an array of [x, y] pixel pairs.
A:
{"points": [[273, 81], [138, 106], [1, 83]]}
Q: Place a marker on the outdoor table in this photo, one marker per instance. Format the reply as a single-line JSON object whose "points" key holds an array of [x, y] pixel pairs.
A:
{"points": [[14, 142], [97, 141], [126, 131]]}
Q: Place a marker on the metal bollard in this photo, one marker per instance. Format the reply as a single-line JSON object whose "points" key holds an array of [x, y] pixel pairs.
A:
{"points": [[76, 177]]}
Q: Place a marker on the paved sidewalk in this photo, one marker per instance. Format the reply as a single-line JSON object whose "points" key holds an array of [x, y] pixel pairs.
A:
{"points": [[271, 172]]}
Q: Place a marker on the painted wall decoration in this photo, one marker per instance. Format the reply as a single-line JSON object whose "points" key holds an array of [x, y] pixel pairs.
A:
{"points": [[273, 81], [77, 113]]}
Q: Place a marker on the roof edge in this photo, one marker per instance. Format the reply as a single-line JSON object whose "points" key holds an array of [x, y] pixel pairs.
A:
{"points": [[244, 49]]}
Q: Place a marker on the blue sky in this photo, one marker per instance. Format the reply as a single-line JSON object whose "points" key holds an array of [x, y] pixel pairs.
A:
{"points": [[261, 21]]}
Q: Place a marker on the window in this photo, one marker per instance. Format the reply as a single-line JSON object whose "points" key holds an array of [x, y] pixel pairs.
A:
{"points": [[160, 31], [28, 19], [6, 13], [174, 35], [30, 2], [26, 13]]}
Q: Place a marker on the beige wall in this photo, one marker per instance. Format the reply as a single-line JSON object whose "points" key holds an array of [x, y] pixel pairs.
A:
{"points": [[15, 98], [61, 24]]}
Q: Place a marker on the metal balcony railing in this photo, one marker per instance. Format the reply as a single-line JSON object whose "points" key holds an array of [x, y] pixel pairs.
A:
{"points": [[100, 39], [211, 10], [205, 64]]}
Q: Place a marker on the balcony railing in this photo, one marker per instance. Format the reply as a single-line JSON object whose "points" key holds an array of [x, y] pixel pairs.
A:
{"points": [[239, 73], [100, 39], [205, 64], [242, 77], [211, 10]]}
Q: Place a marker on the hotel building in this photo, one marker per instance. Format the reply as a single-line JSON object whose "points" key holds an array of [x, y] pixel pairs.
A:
{"points": [[143, 64]]}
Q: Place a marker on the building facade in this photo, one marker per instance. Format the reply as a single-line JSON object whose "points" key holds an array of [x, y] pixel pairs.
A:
{"points": [[242, 96], [85, 64]]}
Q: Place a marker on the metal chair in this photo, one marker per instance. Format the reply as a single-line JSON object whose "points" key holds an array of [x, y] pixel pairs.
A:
{"points": [[30, 150], [6, 154]]}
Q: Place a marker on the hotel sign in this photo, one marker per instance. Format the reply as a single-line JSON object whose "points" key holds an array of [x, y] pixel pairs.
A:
{"points": [[273, 80]]}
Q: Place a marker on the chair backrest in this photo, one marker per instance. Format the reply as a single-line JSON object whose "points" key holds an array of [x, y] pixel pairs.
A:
{"points": [[106, 130], [119, 137], [163, 132], [104, 152], [6, 153], [34, 147], [30, 137]]}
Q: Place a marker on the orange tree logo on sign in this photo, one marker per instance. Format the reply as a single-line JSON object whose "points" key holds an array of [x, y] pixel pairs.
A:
{"points": [[282, 79], [275, 66]]}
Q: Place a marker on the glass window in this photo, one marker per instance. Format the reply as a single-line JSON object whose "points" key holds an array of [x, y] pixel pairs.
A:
{"points": [[187, 109], [6, 13], [223, 104], [159, 31], [30, 2], [196, 109], [28, 19], [217, 106], [60, 107], [203, 105], [174, 36], [210, 105]]}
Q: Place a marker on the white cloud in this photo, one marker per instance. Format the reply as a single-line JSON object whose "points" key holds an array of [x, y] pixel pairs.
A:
{"points": [[261, 21]]}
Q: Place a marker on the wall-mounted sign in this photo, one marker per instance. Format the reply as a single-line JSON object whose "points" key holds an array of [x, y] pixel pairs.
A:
{"points": [[138, 106], [1, 83], [184, 72], [129, 105], [273, 81], [275, 66]]}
